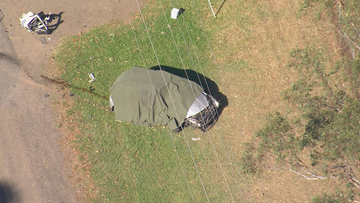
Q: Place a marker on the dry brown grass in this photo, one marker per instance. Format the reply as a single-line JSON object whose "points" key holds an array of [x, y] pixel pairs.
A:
{"points": [[254, 89], [75, 160]]}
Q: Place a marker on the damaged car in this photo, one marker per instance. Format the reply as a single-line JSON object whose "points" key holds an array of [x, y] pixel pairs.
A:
{"points": [[147, 97]]}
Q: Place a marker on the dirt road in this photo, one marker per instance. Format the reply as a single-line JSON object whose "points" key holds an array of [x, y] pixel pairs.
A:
{"points": [[31, 163]]}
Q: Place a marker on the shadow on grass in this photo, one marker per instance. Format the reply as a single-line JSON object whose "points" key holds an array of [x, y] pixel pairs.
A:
{"points": [[209, 86]]}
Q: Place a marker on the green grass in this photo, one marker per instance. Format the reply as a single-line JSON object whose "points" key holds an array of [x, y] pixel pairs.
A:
{"points": [[251, 42], [131, 163]]}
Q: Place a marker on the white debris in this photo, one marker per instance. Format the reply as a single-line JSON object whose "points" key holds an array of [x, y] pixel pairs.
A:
{"points": [[175, 13], [92, 77]]}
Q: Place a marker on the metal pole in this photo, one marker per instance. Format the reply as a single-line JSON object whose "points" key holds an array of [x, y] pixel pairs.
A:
{"points": [[212, 10]]}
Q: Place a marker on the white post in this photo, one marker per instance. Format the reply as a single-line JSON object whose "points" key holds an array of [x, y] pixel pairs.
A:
{"points": [[212, 10]]}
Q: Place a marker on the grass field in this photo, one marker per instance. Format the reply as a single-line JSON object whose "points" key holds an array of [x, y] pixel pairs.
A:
{"points": [[250, 44], [135, 163]]}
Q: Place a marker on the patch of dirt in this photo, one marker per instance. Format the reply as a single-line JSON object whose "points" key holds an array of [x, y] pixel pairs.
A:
{"points": [[75, 17], [35, 155], [75, 160]]}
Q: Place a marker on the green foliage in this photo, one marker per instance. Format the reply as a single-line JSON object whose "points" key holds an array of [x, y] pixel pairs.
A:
{"points": [[328, 127], [312, 4], [345, 195], [277, 137], [249, 161], [309, 3], [354, 76], [341, 138], [349, 20], [328, 112], [326, 198], [348, 23], [355, 67]]}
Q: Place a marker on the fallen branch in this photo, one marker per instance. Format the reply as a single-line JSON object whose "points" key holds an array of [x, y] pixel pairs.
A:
{"points": [[347, 37], [315, 177], [339, 166], [353, 179], [355, 182], [357, 31], [341, 4], [307, 178], [339, 8], [310, 173]]}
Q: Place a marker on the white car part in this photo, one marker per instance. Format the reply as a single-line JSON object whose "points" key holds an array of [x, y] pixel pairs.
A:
{"points": [[199, 104], [33, 22], [111, 103]]}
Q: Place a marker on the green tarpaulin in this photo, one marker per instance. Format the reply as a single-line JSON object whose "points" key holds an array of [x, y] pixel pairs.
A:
{"points": [[141, 97]]}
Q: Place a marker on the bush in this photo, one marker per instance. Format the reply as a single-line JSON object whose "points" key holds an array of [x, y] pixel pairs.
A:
{"points": [[327, 129]]}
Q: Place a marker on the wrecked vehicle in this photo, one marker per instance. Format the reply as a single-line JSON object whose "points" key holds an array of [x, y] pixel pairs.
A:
{"points": [[147, 97], [35, 22]]}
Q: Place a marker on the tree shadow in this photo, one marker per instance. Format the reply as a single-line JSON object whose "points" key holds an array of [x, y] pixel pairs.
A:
{"points": [[7, 193], [209, 86], [53, 22]]}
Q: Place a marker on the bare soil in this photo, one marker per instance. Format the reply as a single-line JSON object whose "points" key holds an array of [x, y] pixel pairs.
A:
{"points": [[32, 156]]}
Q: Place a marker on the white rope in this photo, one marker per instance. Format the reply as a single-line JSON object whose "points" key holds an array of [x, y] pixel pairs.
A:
{"points": [[172, 141], [193, 90], [157, 59], [220, 134], [212, 10], [217, 67], [192, 45], [221, 137], [211, 141]]}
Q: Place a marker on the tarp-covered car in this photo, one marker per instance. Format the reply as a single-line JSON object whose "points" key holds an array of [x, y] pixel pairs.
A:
{"points": [[147, 97]]}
